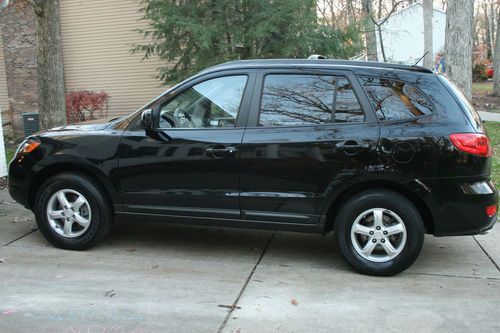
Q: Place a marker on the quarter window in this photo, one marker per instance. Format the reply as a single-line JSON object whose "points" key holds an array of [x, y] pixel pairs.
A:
{"points": [[297, 100], [396, 100], [211, 104]]}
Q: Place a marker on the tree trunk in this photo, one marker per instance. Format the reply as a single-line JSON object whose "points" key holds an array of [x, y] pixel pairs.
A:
{"points": [[491, 18], [428, 46], [458, 43], [371, 39], [486, 26], [51, 91], [496, 62], [381, 43]]}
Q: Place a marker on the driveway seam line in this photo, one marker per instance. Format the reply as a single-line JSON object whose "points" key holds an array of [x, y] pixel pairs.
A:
{"points": [[235, 303], [18, 238], [453, 276], [487, 254]]}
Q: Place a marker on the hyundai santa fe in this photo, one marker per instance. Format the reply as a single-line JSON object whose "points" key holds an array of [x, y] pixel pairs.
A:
{"points": [[379, 154]]}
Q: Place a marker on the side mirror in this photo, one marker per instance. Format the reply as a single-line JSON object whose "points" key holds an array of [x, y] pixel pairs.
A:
{"points": [[147, 119]]}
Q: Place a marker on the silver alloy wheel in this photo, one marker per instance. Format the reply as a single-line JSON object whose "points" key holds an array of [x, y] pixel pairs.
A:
{"points": [[378, 235], [68, 213]]}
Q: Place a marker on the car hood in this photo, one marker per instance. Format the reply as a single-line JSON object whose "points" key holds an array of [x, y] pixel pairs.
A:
{"points": [[92, 125], [86, 127]]}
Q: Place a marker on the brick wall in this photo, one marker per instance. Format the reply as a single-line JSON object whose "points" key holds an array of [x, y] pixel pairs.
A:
{"points": [[18, 28]]}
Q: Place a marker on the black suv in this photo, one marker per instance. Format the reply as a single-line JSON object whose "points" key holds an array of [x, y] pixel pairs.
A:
{"points": [[381, 154]]}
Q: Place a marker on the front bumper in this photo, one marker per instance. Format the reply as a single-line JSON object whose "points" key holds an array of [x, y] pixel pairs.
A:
{"points": [[19, 179]]}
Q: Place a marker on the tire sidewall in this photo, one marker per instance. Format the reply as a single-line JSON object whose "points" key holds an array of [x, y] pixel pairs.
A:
{"points": [[94, 199], [391, 201]]}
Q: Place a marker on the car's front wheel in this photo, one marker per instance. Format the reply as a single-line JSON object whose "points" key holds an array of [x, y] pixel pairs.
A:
{"points": [[72, 211], [379, 232]]}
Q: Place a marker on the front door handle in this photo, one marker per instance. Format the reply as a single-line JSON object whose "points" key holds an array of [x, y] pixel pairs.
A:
{"points": [[220, 152], [351, 147]]}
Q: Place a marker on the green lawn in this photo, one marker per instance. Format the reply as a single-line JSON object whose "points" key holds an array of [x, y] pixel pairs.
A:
{"points": [[493, 129], [482, 86], [9, 154]]}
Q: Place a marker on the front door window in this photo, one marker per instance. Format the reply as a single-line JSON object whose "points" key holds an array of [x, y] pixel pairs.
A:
{"points": [[210, 104]]}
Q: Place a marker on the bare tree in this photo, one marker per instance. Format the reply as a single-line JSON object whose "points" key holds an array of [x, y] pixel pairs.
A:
{"points": [[458, 43], [378, 24], [51, 91], [496, 62], [428, 10], [486, 26], [371, 39]]}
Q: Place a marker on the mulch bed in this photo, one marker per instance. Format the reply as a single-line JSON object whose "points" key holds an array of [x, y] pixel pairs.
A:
{"points": [[485, 101]]}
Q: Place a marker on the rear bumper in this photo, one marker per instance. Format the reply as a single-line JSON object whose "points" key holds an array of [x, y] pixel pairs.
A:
{"points": [[458, 205]]}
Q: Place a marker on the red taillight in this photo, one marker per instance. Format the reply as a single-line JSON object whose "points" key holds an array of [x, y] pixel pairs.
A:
{"points": [[491, 210], [472, 143]]}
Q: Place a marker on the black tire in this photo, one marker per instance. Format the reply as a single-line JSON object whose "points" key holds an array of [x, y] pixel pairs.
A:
{"points": [[101, 219], [372, 199]]}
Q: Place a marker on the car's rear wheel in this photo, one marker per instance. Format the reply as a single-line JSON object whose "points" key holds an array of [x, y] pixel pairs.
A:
{"points": [[72, 211], [379, 232]]}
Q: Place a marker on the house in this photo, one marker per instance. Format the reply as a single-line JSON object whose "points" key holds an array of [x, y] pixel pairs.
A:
{"points": [[403, 34], [97, 37]]}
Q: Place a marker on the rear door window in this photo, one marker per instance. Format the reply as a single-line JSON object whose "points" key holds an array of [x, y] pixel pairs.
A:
{"points": [[301, 99], [395, 100]]}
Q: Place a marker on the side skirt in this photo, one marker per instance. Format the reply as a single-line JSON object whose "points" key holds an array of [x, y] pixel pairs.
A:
{"points": [[225, 222]]}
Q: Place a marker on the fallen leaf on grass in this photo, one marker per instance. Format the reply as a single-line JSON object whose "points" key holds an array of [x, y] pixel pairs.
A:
{"points": [[294, 302]]}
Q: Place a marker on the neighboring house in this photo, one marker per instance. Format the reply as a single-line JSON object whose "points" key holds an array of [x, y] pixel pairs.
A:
{"points": [[97, 37], [403, 34]]}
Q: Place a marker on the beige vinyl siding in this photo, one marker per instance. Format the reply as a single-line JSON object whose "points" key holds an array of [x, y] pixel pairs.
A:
{"points": [[97, 36], [4, 94]]}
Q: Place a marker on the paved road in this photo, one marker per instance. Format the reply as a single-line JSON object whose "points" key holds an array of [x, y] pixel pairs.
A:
{"points": [[489, 116], [161, 278]]}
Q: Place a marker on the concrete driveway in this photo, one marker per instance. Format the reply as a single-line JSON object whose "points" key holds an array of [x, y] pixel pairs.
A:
{"points": [[163, 278]]}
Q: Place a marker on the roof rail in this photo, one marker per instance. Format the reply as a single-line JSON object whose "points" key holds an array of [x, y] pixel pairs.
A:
{"points": [[319, 62]]}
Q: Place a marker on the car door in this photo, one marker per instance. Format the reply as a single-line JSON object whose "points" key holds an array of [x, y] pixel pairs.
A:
{"points": [[309, 132], [188, 165]]}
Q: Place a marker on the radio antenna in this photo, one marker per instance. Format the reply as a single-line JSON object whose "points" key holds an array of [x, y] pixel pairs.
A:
{"points": [[422, 57]]}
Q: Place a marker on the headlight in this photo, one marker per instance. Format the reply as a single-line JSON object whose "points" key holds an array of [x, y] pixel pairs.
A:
{"points": [[27, 146]]}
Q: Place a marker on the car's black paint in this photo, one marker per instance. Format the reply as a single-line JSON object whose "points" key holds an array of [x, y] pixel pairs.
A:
{"points": [[286, 178]]}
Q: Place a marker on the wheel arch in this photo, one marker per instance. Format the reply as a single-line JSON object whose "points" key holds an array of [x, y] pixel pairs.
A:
{"points": [[340, 198], [51, 170]]}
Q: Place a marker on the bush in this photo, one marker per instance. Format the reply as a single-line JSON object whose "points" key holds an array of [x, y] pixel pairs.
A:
{"points": [[85, 105], [479, 72]]}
